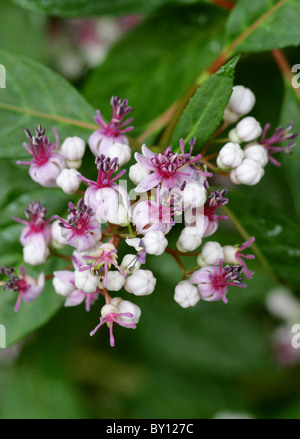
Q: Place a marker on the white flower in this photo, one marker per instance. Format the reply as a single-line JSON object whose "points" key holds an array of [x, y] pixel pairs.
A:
{"points": [[73, 148], [256, 152], [85, 281], [138, 172], [119, 217], [115, 281], [155, 242], [140, 283], [109, 308], [189, 239], [211, 254], [230, 156], [68, 181], [194, 195], [121, 151], [63, 282], [128, 307], [186, 294], [34, 254], [249, 172], [247, 129]]}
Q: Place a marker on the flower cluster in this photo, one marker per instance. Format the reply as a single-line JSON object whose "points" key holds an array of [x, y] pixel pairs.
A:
{"points": [[171, 189], [246, 165]]}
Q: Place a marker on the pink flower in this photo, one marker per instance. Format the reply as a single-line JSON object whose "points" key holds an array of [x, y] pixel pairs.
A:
{"points": [[248, 273], [101, 140], [112, 317], [103, 195], [281, 135], [213, 282], [64, 285], [46, 164], [169, 169], [81, 230], [214, 200], [27, 287]]}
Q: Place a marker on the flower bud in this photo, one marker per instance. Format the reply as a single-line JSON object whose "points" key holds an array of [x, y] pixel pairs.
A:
{"points": [[230, 156], [189, 239], [73, 148], [121, 151], [256, 152], [56, 239], [229, 254], [68, 181], [233, 178], [155, 242], [130, 264], [140, 283], [242, 100], [63, 282], [138, 172], [249, 172], [116, 301], [186, 294], [211, 254], [109, 308], [246, 130], [35, 256], [115, 281], [128, 307], [119, 217], [194, 195], [85, 281]]}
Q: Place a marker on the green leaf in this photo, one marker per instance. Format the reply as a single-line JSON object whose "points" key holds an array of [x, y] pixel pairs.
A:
{"points": [[156, 63], [35, 94], [269, 24], [205, 110], [277, 237], [291, 113], [77, 8]]}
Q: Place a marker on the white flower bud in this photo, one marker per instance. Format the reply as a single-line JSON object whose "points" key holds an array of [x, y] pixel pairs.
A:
{"points": [[56, 239], [121, 151], [242, 100], [189, 239], [230, 156], [211, 254], [229, 254], [130, 264], [128, 307], [68, 181], [73, 148], [120, 217], [256, 152], [138, 172], [230, 116], [155, 242], [186, 294], [194, 195], [108, 308], [85, 281], [249, 172], [233, 178], [115, 281], [140, 283], [35, 256], [247, 129], [62, 282]]}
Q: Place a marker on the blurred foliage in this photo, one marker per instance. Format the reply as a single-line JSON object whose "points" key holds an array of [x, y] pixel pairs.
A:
{"points": [[178, 363]]}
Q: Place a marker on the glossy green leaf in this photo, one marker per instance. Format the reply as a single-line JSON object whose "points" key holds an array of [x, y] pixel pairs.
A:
{"points": [[277, 237], [269, 24], [291, 113], [77, 8], [31, 87], [156, 63], [205, 110]]}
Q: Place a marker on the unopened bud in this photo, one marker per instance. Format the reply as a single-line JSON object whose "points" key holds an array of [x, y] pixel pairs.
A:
{"points": [[73, 148], [140, 283], [186, 294], [68, 181], [230, 156], [249, 172]]}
